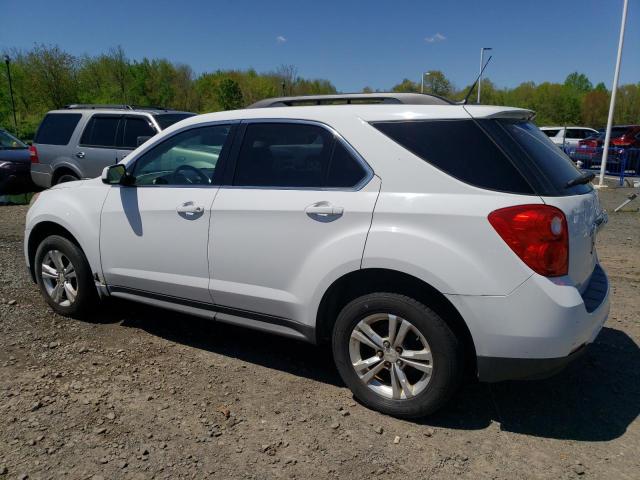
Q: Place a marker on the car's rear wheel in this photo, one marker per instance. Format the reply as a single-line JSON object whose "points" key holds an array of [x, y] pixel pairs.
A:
{"points": [[64, 277], [396, 355]]}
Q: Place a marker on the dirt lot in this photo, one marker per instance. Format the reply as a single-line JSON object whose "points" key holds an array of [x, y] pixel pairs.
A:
{"points": [[143, 393]]}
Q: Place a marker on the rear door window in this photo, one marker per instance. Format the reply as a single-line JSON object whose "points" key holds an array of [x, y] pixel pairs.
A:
{"points": [[57, 128], [461, 149], [290, 155], [135, 127], [101, 131], [550, 133]]}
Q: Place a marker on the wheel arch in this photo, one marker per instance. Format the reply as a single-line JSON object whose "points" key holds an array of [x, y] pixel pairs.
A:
{"points": [[64, 169], [369, 280]]}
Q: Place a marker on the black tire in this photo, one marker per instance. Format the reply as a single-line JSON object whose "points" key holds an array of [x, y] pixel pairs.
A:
{"points": [[87, 297], [66, 177], [446, 350]]}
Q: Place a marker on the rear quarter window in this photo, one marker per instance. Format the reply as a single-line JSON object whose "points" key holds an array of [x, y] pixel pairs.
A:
{"points": [[461, 149], [57, 128]]}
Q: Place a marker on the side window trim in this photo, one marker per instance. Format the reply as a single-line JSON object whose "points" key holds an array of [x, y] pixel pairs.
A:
{"points": [[222, 161], [235, 151], [90, 123]]}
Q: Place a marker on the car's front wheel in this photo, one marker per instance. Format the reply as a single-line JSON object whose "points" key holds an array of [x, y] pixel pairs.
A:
{"points": [[396, 355], [64, 277]]}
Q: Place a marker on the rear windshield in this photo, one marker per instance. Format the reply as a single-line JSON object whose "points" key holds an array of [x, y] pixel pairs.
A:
{"points": [[9, 142], [461, 149], [57, 128], [167, 119], [545, 165]]}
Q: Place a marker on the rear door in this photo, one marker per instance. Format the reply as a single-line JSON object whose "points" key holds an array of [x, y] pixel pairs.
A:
{"points": [[297, 207], [97, 147]]}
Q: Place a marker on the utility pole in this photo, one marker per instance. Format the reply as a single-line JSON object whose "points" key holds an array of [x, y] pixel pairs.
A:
{"points": [[7, 60], [422, 81], [614, 89], [482, 50]]}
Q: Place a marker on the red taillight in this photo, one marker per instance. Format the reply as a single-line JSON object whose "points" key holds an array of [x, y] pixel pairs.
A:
{"points": [[538, 234], [33, 153], [621, 142]]}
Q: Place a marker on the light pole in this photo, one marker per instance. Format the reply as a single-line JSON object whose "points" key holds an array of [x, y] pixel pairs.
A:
{"points": [[614, 88], [422, 81], [7, 60], [482, 50]]}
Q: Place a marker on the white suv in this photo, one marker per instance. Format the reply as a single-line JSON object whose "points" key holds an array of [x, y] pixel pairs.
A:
{"points": [[421, 238]]}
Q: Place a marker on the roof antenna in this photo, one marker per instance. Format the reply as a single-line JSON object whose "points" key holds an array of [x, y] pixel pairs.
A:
{"points": [[466, 98]]}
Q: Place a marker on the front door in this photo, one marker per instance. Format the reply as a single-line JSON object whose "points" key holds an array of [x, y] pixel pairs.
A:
{"points": [[298, 209], [154, 233]]}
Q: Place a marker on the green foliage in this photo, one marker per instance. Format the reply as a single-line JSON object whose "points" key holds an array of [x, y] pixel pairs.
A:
{"points": [[46, 77], [229, 94]]}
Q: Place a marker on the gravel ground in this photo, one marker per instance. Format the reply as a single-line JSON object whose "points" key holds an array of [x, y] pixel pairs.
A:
{"points": [[143, 393]]}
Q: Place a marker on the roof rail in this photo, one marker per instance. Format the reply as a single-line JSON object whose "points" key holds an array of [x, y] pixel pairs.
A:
{"points": [[100, 106], [353, 98]]}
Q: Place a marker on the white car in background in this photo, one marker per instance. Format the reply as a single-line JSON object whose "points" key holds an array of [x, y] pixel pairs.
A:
{"points": [[420, 238], [568, 136]]}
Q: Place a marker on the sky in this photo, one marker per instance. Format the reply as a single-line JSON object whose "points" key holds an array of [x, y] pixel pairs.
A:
{"points": [[353, 44]]}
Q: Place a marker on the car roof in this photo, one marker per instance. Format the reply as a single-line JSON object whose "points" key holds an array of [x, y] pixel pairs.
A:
{"points": [[368, 113]]}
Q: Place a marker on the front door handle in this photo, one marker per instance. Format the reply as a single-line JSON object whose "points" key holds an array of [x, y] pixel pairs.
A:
{"points": [[80, 154], [324, 211], [189, 207]]}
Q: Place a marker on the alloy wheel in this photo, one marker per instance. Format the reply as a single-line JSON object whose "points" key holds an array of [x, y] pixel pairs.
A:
{"points": [[59, 278], [390, 356]]}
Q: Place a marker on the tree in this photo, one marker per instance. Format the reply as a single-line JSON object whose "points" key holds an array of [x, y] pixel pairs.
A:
{"points": [[436, 83], [578, 82], [595, 108], [406, 86], [229, 94]]}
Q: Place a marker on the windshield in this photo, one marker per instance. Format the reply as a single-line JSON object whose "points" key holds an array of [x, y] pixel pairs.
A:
{"points": [[167, 119], [9, 142]]}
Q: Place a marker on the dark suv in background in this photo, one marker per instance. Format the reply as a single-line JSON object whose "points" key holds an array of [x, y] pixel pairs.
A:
{"points": [[78, 141]]}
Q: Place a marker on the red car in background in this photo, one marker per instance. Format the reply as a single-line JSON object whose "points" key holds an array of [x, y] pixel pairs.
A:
{"points": [[621, 136]]}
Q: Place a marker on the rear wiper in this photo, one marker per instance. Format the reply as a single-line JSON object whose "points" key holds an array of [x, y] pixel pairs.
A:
{"points": [[581, 180]]}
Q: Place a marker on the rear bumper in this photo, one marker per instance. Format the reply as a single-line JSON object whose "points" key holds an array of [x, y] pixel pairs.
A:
{"points": [[496, 369], [41, 174], [537, 329]]}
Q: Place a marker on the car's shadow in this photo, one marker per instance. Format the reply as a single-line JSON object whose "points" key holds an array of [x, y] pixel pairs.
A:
{"points": [[594, 399]]}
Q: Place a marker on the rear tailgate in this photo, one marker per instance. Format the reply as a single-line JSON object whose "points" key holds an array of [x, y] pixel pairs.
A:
{"points": [[548, 170]]}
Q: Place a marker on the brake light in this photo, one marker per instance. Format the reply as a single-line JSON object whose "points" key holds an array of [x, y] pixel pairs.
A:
{"points": [[538, 234], [33, 153], [621, 142]]}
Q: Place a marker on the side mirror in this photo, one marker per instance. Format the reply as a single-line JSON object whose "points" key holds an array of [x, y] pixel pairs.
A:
{"points": [[115, 174], [140, 140]]}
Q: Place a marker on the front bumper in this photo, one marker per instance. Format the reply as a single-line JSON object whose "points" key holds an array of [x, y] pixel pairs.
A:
{"points": [[537, 329]]}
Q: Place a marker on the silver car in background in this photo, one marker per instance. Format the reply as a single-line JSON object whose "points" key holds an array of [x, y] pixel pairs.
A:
{"points": [[78, 141]]}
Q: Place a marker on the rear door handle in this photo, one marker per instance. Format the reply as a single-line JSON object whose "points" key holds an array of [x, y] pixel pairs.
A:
{"points": [[324, 211], [189, 207], [80, 154]]}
